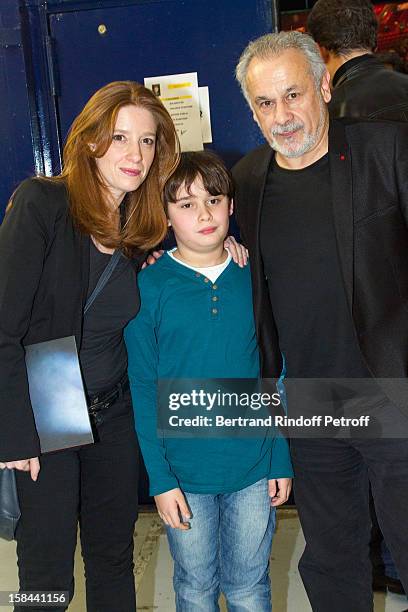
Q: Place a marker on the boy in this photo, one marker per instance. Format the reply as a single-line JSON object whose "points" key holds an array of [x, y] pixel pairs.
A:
{"points": [[196, 321]]}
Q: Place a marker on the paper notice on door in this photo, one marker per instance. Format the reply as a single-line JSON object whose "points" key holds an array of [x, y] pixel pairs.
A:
{"points": [[179, 94]]}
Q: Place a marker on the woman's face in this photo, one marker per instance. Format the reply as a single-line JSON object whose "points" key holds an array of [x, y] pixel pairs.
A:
{"points": [[127, 162]]}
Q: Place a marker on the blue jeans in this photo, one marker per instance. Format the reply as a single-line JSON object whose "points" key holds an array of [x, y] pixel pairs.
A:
{"points": [[227, 549]]}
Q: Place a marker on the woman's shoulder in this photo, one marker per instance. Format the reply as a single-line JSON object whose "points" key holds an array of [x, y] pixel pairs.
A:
{"points": [[38, 198], [39, 189]]}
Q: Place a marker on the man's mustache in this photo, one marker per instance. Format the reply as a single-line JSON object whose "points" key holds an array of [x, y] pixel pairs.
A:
{"points": [[291, 126]]}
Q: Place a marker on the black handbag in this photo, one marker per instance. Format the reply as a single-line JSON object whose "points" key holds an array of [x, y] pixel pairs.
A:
{"points": [[9, 506]]}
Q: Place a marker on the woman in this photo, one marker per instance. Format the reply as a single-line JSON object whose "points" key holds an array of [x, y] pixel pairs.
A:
{"points": [[57, 238]]}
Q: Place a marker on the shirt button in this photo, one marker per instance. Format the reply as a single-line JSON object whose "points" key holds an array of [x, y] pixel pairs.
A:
{"points": [[214, 311], [197, 274], [214, 298], [206, 280], [215, 287]]}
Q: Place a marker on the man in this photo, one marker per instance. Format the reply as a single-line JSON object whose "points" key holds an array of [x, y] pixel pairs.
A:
{"points": [[346, 32], [325, 221]]}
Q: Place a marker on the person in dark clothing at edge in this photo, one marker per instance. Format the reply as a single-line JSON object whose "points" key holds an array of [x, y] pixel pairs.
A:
{"points": [[323, 209], [346, 32]]}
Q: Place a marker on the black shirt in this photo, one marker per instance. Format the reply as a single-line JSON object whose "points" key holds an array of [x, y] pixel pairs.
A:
{"points": [[103, 353], [301, 263]]}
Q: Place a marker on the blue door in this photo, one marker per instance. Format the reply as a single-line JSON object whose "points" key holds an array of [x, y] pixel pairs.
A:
{"points": [[156, 37]]}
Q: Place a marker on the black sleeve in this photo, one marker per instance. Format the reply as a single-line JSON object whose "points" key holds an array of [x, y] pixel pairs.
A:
{"points": [[401, 166], [24, 236], [238, 198]]}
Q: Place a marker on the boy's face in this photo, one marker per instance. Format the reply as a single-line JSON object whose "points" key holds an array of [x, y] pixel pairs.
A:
{"points": [[199, 220]]}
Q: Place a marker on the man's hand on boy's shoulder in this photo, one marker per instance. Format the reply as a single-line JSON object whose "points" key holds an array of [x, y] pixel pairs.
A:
{"points": [[172, 507], [238, 252], [279, 490]]}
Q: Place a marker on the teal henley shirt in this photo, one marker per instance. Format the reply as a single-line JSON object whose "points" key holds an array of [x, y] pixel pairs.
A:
{"points": [[190, 327]]}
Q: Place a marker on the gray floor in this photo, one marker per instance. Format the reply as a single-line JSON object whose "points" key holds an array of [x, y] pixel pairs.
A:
{"points": [[153, 570]]}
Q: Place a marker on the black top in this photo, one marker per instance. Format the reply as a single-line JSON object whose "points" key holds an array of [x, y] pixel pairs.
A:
{"points": [[370, 211], [44, 273], [103, 353], [364, 87], [350, 64], [299, 252]]}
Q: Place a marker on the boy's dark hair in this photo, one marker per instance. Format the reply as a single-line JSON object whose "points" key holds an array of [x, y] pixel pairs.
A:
{"points": [[343, 25], [217, 180]]}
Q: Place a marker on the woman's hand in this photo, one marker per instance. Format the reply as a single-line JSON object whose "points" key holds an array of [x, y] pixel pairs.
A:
{"points": [[171, 507], [279, 490], [152, 258], [25, 465], [238, 252]]}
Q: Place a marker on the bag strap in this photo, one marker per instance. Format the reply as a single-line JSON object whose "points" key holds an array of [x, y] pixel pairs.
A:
{"points": [[103, 279]]}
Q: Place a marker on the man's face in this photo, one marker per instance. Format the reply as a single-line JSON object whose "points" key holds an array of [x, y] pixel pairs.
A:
{"points": [[288, 107]]}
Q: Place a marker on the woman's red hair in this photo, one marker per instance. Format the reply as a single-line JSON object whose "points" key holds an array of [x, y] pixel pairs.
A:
{"points": [[145, 223]]}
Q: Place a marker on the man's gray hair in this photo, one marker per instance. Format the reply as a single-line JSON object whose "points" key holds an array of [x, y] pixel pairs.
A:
{"points": [[270, 45]]}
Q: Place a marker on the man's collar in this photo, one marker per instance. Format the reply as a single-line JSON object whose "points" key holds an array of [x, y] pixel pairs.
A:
{"points": [[355, 61]]}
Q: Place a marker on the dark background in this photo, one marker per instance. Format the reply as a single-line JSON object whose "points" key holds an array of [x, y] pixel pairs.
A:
{"points": [[301, 5]]}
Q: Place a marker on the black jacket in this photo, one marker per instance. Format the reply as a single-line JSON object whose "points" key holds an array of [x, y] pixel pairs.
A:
{"points": [[44, 273], [363, 87], [368, 172]]}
